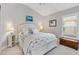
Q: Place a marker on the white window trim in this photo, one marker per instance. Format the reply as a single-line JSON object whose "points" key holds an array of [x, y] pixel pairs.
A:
{"points": [[75, 14]]}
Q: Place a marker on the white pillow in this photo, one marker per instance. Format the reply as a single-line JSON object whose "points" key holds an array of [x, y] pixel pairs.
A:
{"points": [[35, 31]]}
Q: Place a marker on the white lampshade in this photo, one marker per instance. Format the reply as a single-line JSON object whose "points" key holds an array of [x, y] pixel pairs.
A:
{"points": [[10, 27]]}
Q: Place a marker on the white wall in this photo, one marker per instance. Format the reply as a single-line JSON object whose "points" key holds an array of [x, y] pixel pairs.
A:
{"points": [[0, 18], [58, 16], [78, 26]]}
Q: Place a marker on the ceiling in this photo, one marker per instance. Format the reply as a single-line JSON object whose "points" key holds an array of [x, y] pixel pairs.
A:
{"points": [[49, 8]]}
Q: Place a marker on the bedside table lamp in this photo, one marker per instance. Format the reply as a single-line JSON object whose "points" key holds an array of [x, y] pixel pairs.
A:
{"points": [[11, 34], [40, 27], [10, 27]]}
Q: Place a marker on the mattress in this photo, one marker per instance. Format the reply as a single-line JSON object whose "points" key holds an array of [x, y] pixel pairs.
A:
{"points": [[42, 49], [38, 45]]}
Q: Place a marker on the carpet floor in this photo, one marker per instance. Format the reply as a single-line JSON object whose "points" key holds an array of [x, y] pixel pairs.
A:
{"points": [[60, 50]]}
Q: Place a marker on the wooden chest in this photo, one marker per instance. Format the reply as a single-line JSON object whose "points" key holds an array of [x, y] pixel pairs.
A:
{"points": [[69, 42]]}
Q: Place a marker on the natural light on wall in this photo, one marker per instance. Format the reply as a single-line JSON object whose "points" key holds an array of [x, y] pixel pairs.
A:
{"points": [[70, 26], [10, 27]]}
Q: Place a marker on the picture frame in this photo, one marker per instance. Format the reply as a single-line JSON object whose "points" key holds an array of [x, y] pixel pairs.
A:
{"points": [[52, 23], [29, 18]]}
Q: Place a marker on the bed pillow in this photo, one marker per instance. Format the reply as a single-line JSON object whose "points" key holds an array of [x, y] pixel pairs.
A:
{"points": [[35, 31], [30, 31]]}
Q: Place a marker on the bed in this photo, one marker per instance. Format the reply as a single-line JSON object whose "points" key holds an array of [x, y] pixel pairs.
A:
{"points": [[36, 43]]}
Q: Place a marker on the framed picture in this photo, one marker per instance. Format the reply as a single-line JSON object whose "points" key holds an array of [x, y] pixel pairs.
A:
{"points": [[52, 23], [29, 18]]}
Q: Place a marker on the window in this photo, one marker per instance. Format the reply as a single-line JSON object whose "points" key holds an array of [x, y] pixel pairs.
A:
{"points": [[70, 26]]}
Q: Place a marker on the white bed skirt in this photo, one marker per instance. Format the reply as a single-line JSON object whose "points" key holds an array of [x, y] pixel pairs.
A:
{"points": [[42, 49]]}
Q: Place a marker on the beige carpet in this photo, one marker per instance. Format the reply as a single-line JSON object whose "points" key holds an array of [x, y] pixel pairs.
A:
{"points": [[16, 50], [60, 50], [63, 50]]}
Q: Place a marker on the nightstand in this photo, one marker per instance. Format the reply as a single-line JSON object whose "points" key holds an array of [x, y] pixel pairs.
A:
{"points": [[11, 40]]}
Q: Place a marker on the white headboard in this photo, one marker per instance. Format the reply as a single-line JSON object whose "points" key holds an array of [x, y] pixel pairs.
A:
{"points": [[25, 27]]}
